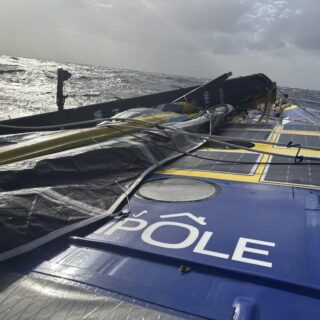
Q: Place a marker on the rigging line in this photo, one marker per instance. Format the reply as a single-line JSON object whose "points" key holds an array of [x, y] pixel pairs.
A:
{"points": [[72, 124], [216, 138], [124, 212], [93, 121], [216, 160], [268, 105], [196, 135], [239, 146]]}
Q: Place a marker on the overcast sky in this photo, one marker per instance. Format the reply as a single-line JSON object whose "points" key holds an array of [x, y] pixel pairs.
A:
{"points": [[190, 37]]}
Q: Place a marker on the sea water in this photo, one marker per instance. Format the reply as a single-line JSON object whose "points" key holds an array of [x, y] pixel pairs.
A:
{"points": [[28, 86]]}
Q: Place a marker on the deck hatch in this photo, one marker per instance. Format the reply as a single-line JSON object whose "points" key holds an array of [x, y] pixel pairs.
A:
{"points": [[177, 190]]}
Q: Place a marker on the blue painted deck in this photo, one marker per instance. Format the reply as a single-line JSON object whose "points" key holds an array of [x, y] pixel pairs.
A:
{"points": [[250, 252], [256, 248]]}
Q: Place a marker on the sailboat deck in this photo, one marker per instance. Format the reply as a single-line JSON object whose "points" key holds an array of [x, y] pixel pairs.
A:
{"points": [[264, 168]]}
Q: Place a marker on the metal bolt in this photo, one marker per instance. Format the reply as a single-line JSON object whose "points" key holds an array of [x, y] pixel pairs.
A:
{"points": [[184, 269]]}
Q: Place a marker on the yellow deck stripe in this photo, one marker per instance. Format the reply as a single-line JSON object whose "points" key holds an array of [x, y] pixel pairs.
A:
{"points": [[265, 158]]}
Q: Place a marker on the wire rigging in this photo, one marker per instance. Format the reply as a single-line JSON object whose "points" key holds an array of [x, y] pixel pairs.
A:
{"points": [[212, 159]]}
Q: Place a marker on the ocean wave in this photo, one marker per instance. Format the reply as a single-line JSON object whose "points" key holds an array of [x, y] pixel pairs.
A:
{"points": [[7, 68], [28, 86]]}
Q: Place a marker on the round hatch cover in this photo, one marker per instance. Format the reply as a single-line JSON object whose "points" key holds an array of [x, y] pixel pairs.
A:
{"points": [[177, 190]]}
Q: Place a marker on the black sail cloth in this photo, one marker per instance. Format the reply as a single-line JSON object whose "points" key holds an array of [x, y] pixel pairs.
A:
{"points": [[42, 195]]}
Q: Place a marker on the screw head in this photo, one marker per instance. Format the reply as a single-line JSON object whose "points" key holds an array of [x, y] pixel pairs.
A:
{"points": [[184, 269]]}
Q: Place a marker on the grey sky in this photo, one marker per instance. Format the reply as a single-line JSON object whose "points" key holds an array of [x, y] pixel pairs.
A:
{"points": [[190, 37]]}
